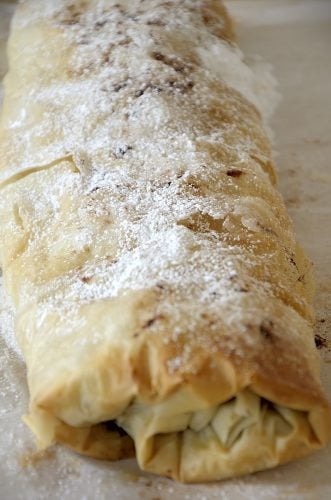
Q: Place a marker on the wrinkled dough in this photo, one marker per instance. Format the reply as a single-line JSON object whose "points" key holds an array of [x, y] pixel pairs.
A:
{"points": [[245, 426], [151, 262]]}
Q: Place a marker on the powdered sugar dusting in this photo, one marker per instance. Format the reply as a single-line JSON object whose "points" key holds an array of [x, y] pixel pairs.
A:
{"points": [[60, 476], [154, 174], [7, 326], [252, 77]]}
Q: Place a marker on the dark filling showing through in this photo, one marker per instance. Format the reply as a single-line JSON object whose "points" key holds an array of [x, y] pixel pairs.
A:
{"points": [[111, 426]]}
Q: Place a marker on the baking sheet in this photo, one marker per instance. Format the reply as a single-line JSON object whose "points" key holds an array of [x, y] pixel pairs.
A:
{"points": [[295, 36]]}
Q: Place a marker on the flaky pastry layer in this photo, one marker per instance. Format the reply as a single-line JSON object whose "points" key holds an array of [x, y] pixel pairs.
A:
{"points": [[163, 304]]}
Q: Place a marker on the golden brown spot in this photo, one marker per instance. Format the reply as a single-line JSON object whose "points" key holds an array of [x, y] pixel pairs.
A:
{"points": [[151, 321], [234, 172], [201, 223], [86, 279], [174, 62], [156, 22], [320, 341], [266, 329]]}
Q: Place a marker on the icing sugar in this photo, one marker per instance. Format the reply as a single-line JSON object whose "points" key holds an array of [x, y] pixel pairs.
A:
{"points": [[7, 327], [132, 191]]}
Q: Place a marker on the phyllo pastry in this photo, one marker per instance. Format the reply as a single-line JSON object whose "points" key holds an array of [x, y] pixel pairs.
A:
{"points": [[163, 305]]}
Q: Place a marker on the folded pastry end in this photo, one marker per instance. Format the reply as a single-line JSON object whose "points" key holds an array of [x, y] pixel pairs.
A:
{"points": [[188, 440], [162, 303]]}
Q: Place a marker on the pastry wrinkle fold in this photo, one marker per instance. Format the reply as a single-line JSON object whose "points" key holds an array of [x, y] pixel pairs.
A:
{"points": [[163, 304]]}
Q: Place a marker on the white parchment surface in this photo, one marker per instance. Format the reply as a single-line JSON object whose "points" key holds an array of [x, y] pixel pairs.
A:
{"points": [[295, 36]]}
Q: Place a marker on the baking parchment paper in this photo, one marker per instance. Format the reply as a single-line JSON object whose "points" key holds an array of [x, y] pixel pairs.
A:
{"points": [[295, 36]]}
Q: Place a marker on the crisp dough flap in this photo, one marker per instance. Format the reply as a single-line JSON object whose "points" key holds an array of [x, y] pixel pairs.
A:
{"points": [[188, 440]]}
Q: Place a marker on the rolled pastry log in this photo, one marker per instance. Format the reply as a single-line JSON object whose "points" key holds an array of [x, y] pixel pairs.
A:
{"points": [[162, 303]]}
